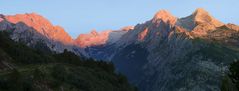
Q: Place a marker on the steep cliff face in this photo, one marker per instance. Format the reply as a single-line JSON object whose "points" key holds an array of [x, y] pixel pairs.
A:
{"points": [[145, 51], [150, 31], [42, 26], [170, 54], [35, 30]]}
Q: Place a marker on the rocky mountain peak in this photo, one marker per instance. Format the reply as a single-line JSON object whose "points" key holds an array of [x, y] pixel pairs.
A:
{"points": [[203, 22], [165, 16], [94, 38], [41, 25], [200, 11], [127, 28], [94, 32], [200, 21], [202, 16]]}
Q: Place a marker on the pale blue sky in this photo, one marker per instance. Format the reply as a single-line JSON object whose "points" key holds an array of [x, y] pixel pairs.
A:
{"points": [[81, 16]]}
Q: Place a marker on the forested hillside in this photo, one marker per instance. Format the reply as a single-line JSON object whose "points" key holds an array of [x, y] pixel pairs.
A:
{"points": [[38, 69]]}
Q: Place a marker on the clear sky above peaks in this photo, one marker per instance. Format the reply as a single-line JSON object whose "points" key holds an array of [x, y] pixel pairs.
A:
{"points": [[81, 16]]}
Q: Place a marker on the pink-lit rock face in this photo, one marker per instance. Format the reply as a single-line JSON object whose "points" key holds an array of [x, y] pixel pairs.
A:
{"points": [[127, 28], [203, 29], [101, 38], [142, 35], [42, 26], [232, 26], [165, 16], [202, 16], [199, 23], [61, 35], [162, 25], [92, 39]]}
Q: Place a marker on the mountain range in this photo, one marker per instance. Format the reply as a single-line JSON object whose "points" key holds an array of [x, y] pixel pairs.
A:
{"points": [[165, 53]]}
